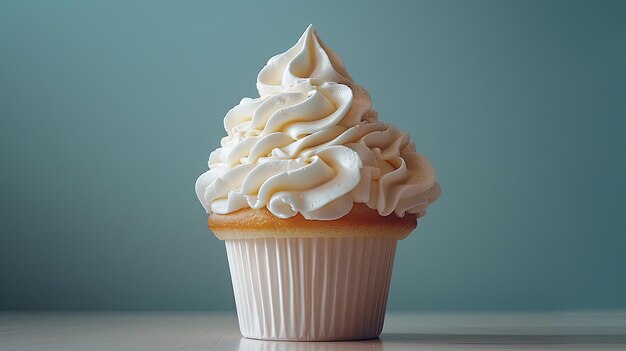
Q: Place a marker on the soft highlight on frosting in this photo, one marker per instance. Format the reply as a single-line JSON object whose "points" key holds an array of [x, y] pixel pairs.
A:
{"points": [[312, 144]]}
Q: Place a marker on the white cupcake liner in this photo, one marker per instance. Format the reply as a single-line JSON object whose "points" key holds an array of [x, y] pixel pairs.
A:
{"points": [[311, 288]]}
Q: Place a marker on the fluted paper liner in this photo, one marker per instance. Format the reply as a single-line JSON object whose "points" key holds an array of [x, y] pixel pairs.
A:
{"points": [[311, 288]]}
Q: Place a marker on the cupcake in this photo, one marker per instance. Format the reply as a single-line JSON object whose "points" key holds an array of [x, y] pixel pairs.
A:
{"points": [[311, 193]]}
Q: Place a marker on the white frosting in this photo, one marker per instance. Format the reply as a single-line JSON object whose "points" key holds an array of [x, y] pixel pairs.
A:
{"points": [[312, 144]]}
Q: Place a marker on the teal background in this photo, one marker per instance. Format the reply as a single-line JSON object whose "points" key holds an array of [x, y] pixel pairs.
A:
{"points": [[109, 109]]}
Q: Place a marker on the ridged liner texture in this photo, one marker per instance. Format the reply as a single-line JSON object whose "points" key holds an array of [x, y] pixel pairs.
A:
{"points": [[311, 289]]}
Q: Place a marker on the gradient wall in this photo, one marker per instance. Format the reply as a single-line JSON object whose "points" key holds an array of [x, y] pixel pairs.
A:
{"points": [[109, 109]]}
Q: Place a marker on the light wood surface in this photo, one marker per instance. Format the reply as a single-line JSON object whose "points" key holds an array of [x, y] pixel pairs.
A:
{"points": [[187, 331]]}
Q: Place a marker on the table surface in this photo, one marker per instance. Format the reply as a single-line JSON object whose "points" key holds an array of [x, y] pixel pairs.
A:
{"points": [[187, 331]]}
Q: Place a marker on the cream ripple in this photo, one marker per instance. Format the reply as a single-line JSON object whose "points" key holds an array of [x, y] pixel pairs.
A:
{"points": [[312, 144]]}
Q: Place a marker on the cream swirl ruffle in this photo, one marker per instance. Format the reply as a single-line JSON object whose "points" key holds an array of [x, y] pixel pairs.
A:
{"points": [[312, 144]]}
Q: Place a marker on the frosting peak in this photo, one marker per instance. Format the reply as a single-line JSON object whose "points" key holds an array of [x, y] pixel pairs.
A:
{"points": [[312, 144], [309, 60]]}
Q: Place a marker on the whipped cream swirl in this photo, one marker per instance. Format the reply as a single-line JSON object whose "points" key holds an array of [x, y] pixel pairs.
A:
{"points": [[312, 144]]}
